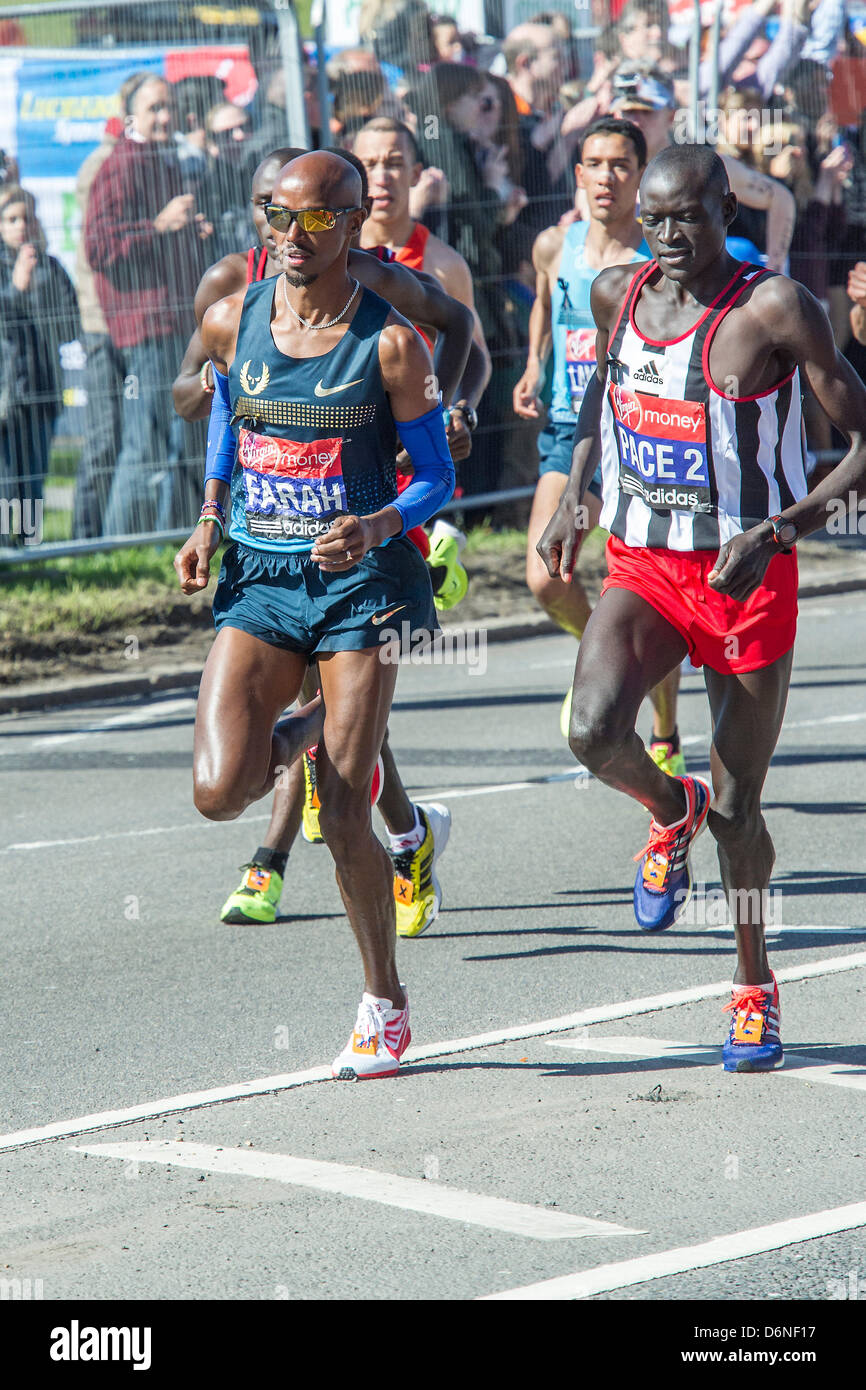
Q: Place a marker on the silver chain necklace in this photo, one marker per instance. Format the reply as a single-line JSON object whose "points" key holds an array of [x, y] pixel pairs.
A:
{"points": [[328, 323]]}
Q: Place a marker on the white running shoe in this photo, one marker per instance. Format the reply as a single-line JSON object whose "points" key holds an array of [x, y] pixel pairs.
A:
{"points": [[379, 1039]]}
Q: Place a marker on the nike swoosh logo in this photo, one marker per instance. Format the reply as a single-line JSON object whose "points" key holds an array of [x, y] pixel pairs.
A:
{"points": [[383, 617], [321, 390]]}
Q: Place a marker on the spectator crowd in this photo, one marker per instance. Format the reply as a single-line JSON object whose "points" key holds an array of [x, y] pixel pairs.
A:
{"points": [[496, 127]]}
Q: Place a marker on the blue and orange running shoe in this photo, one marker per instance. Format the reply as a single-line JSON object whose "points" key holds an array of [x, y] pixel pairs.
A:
{"points": [[663, 884], [754, 1043]]}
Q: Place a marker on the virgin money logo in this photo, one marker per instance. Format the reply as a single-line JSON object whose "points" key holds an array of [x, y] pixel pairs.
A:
{"points": [[580, 345], [627, 407], [258, 452], [320, 458]]}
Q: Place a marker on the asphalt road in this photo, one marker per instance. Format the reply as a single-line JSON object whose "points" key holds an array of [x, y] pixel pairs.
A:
{"points": [[122, 988]]}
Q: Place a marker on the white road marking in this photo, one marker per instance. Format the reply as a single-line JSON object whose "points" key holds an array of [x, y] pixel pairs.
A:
{"points": [[820, 723], [805, 1068], [624, 1273], [390, 1189], [579, 774], [123, 834], [641, 1049], [790, 931], [22, 846], [146, 714], [690, 740], [605, 1013], [827, 612]]}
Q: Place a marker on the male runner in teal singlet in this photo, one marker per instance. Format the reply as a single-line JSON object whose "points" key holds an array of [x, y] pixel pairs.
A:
{"points": [[316, 375], [695, 411], [417, 834]]}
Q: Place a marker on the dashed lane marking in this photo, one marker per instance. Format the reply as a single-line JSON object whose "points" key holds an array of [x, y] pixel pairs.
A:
{"points": [[390, 1189], [144, 715], [799, 1066]]}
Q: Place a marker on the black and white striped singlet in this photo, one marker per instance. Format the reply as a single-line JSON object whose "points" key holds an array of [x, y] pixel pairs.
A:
{"points": [[685, 466]]}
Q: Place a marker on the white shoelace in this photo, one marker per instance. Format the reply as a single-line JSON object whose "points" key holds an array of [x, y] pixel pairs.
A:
{"points": [[370, 1020]]}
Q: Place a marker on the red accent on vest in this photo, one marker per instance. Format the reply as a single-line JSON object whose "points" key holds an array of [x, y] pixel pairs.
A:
{"points": [[412, 255], [256, 272]]}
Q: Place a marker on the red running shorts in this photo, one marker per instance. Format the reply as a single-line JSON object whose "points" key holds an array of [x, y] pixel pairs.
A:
{"points": [[721, 633]]}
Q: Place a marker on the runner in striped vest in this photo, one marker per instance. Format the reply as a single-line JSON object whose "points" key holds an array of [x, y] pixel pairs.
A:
{"points": [[695, 412]]}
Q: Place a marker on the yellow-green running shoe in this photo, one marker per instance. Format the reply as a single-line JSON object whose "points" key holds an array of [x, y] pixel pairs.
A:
{"points": [[417, 891], [256, 899], [663, 755], [310, 814], [448, 577], [565, 714]]}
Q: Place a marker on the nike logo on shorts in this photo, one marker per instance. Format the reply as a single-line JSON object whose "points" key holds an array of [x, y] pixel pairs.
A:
{"points": [[383, 617], [321, 390]]}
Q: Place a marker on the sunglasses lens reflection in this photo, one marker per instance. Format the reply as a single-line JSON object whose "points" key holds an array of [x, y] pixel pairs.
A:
{"points": [[308, 219]]}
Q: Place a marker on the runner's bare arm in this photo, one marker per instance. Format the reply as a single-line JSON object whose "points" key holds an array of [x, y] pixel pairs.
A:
{"points": [[545, 249], [191, 401], [221, 279], [422, 300], [406, 369], [451, 273], [557, 547], [799, 332], [455, 277], [757, 190], [857, 293], [218, 337], [226, 277], [219, 330]]}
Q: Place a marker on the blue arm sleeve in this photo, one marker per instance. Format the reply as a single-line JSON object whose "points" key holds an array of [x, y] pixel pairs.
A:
{"points": [[425, 441], [220, 440]]}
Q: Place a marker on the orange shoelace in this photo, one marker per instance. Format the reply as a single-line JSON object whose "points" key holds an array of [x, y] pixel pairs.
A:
{"points": [[750, 997], [662, 839]]}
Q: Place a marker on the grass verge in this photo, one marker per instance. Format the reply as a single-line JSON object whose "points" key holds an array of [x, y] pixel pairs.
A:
{"points": [[87, 593]]}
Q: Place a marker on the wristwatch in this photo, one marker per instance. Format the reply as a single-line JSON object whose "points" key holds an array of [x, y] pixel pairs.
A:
{"points": [[785, 533], [469, 414]]}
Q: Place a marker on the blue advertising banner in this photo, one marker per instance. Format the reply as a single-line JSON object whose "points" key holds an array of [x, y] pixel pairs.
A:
{"points": [[63, 104]]}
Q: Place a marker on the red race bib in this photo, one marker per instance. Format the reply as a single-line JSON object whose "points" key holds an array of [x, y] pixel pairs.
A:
{"points": [[294, 491]]}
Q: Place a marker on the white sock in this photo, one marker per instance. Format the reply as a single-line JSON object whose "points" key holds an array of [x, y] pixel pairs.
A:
{"points": [[410, 839]]}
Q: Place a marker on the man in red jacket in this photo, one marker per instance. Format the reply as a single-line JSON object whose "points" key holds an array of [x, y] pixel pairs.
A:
{"points": [[144, 243]]}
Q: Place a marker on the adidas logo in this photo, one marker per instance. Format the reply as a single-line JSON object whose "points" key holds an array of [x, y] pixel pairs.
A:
{"points": [[649, 374]]}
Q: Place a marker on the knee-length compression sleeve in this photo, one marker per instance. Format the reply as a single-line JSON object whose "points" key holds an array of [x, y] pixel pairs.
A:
{"points": [[220, 440], [425, 441]]}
